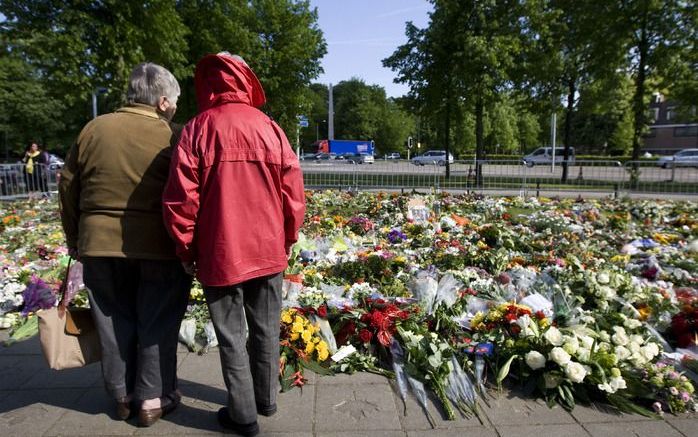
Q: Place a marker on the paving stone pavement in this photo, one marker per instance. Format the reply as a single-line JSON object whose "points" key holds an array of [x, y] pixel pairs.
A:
{"points": [[37, 401]]}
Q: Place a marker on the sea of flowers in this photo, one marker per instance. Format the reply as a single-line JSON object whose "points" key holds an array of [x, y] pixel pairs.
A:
{"points": [[567, 300]]}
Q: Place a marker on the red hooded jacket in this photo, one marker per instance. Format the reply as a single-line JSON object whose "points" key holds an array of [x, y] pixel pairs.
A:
{"points": [[234, 200]]}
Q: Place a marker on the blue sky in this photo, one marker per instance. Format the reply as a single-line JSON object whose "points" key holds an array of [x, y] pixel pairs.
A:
{"points": [[360, 33]]}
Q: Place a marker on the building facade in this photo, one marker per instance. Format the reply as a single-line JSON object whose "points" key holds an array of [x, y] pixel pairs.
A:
{"points": [[668, 132]]}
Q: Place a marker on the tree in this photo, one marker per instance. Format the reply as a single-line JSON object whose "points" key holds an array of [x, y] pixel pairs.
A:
{"points": [[654, 33], [27, 111], [75, 47], [363, 112], [473, 64]]}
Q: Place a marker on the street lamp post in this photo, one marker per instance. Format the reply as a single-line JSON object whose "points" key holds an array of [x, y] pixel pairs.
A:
{"points": [[97, 91], [317, 129]]}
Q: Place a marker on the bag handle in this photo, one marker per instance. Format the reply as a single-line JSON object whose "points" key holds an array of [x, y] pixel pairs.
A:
{"points": [[63, 304]]}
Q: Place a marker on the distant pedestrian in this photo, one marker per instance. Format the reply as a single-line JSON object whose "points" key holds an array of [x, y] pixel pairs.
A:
{"points": [[234, 203], [35, 165]]}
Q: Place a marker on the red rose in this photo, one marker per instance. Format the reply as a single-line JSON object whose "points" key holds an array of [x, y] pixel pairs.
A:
{"points": [[540, 315], [515, 329], [365, 335], [322, 311], [403, 315], [384, 338]]}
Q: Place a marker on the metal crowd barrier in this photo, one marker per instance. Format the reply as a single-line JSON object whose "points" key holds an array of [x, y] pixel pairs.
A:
{"points": [[17, 183], [504, 177]]}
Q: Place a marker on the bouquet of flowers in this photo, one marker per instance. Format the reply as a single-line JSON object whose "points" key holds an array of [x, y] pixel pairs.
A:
{"points": [[301, 348]]}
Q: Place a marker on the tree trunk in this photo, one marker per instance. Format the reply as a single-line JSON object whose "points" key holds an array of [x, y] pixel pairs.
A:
{"points": [[639, 99], [479, 138], [447, 128], [569, 113]]}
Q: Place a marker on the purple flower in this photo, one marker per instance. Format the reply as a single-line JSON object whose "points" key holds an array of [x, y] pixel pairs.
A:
{"points": [[37, 296], [396, 236], [685, 396]]}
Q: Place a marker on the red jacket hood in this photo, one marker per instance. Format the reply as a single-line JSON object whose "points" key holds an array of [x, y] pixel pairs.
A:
{"points": [[222, 79]]}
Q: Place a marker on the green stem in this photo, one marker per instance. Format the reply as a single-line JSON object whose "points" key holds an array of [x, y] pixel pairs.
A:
{"points": [[441, 394]]}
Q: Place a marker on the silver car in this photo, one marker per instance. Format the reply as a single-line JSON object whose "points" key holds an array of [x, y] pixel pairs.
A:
{"points": [[684, 158], [431, 157]]}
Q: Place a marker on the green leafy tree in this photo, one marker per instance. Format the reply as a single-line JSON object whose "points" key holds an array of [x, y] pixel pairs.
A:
{"points": [[655, 33], [27, 111], [74, 47], [467, 54]]}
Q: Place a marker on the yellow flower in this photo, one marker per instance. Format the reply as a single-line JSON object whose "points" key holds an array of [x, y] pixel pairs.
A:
{"points": [[297, 327], [307, 335], [309, 348], [295, 336], [286, 317], [477, 319], [322, 352]]}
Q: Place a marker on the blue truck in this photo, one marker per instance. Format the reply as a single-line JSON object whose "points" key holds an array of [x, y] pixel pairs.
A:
{"points": [[343, 147]]}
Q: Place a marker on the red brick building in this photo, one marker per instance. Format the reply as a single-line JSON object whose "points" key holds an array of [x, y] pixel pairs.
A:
{"points": [[668, 134]]}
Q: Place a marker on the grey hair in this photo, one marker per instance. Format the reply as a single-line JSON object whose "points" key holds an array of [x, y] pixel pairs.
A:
{"points": [[236, 57], [149, 82]]}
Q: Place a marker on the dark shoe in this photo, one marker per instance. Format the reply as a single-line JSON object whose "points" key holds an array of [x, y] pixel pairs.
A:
{"points": [[147, 418], [123, 409], [247, 430], [266, 411]]}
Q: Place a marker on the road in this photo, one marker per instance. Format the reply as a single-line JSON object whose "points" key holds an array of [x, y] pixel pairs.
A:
{"points": [[598, 171]]}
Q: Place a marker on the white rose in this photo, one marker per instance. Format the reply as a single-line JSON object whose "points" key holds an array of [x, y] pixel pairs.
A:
{"points": [[604, 336], [633, 347], [535, 360], [637, 339], [583, 354], [554, 336], [622, 353], [632, 323], [586, 341], [551, 381], [560, 356], [575, 372], [649, 351], [617, 383], [571, 345], [603, 278], [606, 292], [620, 338]]}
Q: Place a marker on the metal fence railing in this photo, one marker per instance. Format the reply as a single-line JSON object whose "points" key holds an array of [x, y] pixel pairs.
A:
{"points": [[507, 177], [16, 182]]}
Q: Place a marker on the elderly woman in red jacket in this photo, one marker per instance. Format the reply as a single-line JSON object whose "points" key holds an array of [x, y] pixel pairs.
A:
{"points": [[233, 204]]}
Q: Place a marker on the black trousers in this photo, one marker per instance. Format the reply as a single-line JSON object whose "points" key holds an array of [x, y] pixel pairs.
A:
{"points": [[138, 306], [250, 370]]}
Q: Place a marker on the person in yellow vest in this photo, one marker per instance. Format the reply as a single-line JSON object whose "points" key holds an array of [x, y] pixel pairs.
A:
{"points": [[34, 168]]}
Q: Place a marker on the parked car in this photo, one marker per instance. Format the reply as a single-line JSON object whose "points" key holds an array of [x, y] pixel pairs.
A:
{"points": [[544, 155], [326, 156], [54, 162], [394, 155], [308, 157], [359, 158], [432, 157], [684, 158]]}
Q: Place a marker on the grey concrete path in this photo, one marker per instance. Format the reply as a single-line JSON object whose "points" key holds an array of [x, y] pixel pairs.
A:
{"points": [[35, 400]]}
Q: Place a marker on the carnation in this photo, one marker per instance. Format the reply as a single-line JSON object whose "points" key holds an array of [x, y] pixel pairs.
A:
{"points": [[560, 356], [535, 360], [554, 336], [575, 372]]}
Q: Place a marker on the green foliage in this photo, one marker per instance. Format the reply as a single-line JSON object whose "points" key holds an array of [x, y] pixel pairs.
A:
{"points": [[71, 48]]}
